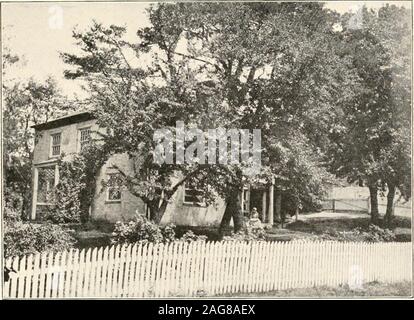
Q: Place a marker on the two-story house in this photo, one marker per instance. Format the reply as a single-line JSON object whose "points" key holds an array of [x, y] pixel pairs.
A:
{"points": [[67, 135]]}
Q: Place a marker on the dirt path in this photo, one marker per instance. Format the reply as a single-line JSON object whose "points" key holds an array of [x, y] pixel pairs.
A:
{"points": [[332, 215]]}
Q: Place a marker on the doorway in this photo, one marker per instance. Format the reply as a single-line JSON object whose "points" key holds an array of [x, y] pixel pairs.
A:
{"points": [[253, 198]]}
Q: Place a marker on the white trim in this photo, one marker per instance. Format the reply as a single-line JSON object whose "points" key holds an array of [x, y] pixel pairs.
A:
{"points": [[248, 196], [36, 168], [270, 213], [264, 206], [56, 175], [113, 201], [55, 130], [34, 194], [84, 125], [46, 163]]}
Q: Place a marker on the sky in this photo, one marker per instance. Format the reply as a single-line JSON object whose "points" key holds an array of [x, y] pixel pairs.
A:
{"points": [[38, 32]]}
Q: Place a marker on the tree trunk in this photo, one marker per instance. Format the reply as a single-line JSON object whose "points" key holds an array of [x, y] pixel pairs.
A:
{"points": [[278, 208], [225, 221], [373, 192], [389, 214], [84, 212], [25, 210], [233, 210], [154, 214], [157, 211]]}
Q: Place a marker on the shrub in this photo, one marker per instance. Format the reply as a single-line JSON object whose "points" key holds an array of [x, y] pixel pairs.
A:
{"points": [[11, 215], [190, 236], [142, 230], [26, 238], [377, 234], [371, 234], [168, 233], [62, 215], [247, 234]]}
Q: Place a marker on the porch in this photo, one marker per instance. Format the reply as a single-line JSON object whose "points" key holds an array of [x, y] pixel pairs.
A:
{"points": [[267, 201]]}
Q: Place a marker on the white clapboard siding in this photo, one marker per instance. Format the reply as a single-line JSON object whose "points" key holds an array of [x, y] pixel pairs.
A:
{"points": [[204, 268]]}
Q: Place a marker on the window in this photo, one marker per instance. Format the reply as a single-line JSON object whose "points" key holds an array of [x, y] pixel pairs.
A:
{"points": [[192, 195], [55, 144], [84, 138], [114, 187], [45, 185]]}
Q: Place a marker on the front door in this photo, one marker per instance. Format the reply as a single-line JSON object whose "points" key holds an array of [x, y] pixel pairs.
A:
{"points": [[246, 201], [256, 201]]}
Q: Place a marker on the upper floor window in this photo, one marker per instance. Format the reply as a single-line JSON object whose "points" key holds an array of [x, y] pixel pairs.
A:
{"points": [[114, 187], [193, 195], [84, 137], [55, 144]]}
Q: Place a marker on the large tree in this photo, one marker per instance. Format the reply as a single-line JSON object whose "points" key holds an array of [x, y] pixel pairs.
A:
{"points": [[24, 104], [268, 66], [370, 140], [393, 27]]}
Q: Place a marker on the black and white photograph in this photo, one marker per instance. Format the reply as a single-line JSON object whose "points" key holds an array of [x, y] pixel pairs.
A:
{"points": [[206, 150]]}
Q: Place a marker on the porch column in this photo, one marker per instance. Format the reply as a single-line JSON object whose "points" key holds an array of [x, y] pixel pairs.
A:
{"points": [[34, 195], [271, 194], [264, 204], [56, 175]]}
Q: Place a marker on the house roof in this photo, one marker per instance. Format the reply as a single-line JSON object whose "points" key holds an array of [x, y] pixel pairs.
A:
{"points": [[65, 120]]}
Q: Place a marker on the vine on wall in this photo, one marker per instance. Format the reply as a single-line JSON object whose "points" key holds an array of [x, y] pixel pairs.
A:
{"points": [[75, 191]]}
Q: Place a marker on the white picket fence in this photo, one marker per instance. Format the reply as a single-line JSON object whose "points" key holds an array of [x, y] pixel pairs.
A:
{"points": [[200, 268]]}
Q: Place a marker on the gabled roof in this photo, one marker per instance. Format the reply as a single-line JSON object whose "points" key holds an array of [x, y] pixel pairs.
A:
{"points": [[65, 120]]}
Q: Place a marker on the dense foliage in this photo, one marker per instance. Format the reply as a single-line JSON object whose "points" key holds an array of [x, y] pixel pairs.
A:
{"points": [[142, 230], [21, 238], [190, 236], [331, 98], [25, 104], [76, 189], [247, 234], [205, 69], [370, 136], [371, 234]]}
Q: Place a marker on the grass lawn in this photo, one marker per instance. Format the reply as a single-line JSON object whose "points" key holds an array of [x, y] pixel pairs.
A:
{"points": [[401, 289]]}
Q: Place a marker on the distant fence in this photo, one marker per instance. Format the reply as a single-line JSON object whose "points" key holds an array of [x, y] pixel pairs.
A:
{"points": [[363, 205], [359, 205], [200, 268]]}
